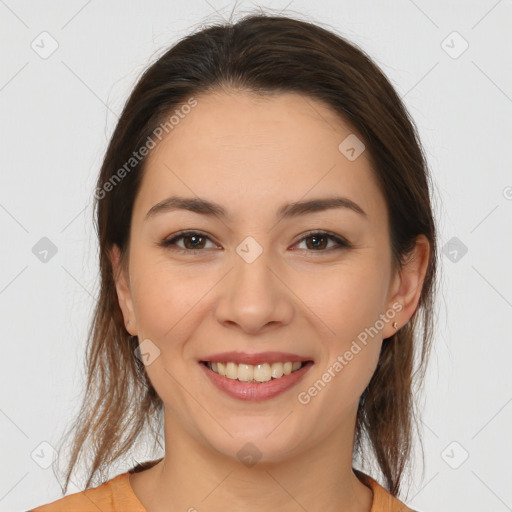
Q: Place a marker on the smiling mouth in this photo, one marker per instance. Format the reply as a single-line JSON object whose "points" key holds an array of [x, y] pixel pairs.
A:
{"points": [[264, 372]]}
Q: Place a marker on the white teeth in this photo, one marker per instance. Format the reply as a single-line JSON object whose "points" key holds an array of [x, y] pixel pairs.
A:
{"points": [[250, 373], [262, 372], [245, 372], [277, 370], [232, 371]]}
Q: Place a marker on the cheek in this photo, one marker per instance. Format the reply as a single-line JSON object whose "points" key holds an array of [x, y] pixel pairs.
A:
{"points": [[348, 299], [166, 299], [170, 303], [350, 304]]}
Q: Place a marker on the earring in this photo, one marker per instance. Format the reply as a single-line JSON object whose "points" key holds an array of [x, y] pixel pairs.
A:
{"points": [[395, 325]]}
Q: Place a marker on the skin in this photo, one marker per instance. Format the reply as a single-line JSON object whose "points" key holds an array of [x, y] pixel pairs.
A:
{"points": [[251, 155]]}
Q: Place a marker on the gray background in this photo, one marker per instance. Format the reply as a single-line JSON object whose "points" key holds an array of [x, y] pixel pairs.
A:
{"points": [[58, 111]]}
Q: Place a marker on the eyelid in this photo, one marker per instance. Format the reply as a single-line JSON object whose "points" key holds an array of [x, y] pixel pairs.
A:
{"points": [[169, 241], [340, 241]]}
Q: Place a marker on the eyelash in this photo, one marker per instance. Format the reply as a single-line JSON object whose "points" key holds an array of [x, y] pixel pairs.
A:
{"points": [[341, 242]]}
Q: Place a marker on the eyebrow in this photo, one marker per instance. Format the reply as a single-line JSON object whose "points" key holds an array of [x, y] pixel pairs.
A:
{"points": [[287, 211]]}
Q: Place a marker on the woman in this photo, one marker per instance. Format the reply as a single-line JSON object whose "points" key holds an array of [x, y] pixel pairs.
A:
{"points": [[267, 246]]}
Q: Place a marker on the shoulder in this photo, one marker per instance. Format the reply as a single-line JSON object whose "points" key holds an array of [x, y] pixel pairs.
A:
{"points": [[383, 500], [112, 496]]}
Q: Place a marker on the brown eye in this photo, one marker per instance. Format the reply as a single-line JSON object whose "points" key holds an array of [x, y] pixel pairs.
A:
{"points": [[193, 241], [319, 241]]}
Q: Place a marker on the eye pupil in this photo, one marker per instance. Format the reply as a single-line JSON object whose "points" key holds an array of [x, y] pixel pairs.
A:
{"points": [[194, 242], [195, 237], [316, 245]]}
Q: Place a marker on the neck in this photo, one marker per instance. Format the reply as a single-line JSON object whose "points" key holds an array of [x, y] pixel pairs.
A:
{"points": [[192, 477]]}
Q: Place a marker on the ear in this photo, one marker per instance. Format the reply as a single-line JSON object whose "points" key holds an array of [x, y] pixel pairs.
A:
{"points": [[124, 293], [407, 285]]}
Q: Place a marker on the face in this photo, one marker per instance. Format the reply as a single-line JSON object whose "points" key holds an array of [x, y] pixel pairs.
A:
{"points": [[313, 286]]}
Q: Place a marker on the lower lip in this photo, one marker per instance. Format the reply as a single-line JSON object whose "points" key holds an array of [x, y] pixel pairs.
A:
{"points": [[255, 391]]}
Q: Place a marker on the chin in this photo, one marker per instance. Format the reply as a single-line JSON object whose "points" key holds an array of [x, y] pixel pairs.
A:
{"points": [[251, 442]]}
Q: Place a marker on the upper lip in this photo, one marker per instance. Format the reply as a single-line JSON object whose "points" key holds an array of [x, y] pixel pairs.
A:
{"points": [[254, 359]]}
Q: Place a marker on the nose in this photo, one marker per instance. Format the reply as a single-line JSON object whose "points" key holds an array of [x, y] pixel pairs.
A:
{"points": [[254, 296]]}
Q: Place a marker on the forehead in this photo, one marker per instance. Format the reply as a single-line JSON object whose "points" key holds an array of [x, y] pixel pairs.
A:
{"points": [[240, 149]]}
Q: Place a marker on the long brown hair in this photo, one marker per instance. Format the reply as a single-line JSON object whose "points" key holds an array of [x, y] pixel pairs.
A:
{"points": [[264, 54]]}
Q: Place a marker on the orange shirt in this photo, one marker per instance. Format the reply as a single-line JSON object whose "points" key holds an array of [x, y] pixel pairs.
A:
{"points": [[117, 495]]}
